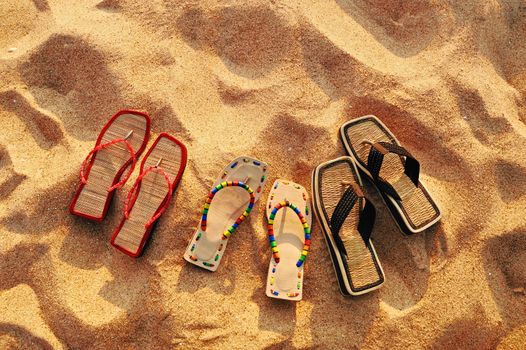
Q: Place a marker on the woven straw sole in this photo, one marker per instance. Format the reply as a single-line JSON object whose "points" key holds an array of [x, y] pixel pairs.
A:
{"points": [[360, 271], [152, 193], [416, 211], [109, 163]]}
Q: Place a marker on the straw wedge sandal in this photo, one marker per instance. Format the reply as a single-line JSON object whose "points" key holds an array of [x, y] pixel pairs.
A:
{"points": [[393, 170], [161, 171], [229, 202], [120, 142], [289, 220], [347, 218]]}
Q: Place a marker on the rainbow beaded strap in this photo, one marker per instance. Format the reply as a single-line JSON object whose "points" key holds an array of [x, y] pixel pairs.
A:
{"points": [[240, 219], [210, 239], [285, 273], [272, 239]]}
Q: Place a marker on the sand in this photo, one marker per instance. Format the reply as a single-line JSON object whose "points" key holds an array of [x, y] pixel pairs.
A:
{"points": [[275, 80]]}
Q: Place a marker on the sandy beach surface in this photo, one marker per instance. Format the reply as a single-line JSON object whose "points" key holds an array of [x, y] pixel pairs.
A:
{"points": [[274, 80]]}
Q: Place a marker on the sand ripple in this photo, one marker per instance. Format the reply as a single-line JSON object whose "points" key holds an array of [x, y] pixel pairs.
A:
{"points": [[275, 80]]}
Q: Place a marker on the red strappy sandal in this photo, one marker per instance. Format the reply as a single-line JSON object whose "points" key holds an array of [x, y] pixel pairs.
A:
{"points": [[119, 144], [148, 199]]}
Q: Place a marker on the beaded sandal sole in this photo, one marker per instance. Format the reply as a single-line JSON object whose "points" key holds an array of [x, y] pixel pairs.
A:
{"points": [[229, 202], [393, 170], [346, 218], [120, 142], [289, 219], [161, 171]]}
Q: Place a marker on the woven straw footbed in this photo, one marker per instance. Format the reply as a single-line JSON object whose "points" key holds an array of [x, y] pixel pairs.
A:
{"points": [[92, 198], [334, 180], [152, 192], [417, 205]]}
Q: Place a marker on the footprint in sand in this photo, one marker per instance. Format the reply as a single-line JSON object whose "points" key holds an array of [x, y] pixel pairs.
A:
{"points": [[422, 255], [404, 27], [251, 40], [44, 127], [109, 5], [9, 178], [337, 72], [234, 95], [407, 262], [474, 110], [48, 209], [504, 259], [16, 264], [70, 72], [75, 308], [510, 179], [474, 332], [41, 5]]}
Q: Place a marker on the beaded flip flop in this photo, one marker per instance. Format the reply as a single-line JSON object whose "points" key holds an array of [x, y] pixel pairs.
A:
{"points": [[393, 170], [347, 219], [120, 142], [229, 202], [289, 220], [161, 171]]}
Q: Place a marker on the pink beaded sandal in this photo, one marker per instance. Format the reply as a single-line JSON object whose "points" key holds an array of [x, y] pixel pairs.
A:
{"points": [[161, 171], [289, 220], [229, 202], [119, 144]]}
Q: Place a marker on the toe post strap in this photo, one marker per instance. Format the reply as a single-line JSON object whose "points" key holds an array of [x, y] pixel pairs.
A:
{"points": [[352, 195], [272, 238], [375, 161], [84, 171], [133, 194]]}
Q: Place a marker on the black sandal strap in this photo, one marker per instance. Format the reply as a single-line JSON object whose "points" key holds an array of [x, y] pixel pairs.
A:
{"points": [[366, 220], [375, 161]]}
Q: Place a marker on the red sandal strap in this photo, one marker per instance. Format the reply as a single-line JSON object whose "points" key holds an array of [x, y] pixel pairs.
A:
{"points": [[132, 193], [97, 148]]}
